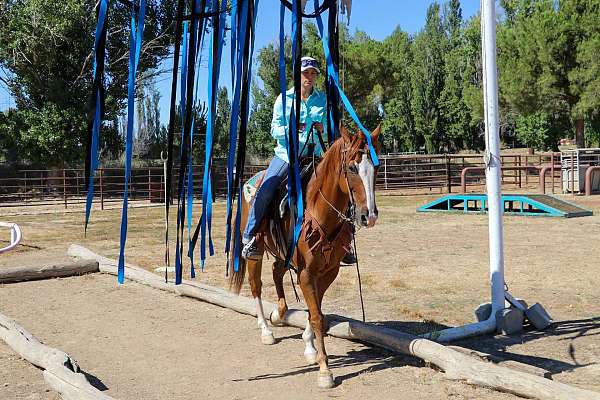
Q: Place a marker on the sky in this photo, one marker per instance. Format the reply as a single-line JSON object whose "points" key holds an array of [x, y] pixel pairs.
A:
{"points": [[378, 18]]}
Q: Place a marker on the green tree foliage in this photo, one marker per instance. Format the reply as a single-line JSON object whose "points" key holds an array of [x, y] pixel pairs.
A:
{"points": [[46, 49], [427, 77], [399, 131], [548, 62], [222, 123]]}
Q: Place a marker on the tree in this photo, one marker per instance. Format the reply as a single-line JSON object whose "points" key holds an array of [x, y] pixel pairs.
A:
{"points": [[548, 62], [454, 111], [223, 121], [427, 77], [260, 143], [399, 133], [46, 48]]}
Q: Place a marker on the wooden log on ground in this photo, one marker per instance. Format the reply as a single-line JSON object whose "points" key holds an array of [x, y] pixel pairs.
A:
{"points": [[21, 274], [61, 372], [456, 365]]}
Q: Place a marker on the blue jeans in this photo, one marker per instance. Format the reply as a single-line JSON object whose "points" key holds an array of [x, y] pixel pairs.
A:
{"points": [[276, 173]]}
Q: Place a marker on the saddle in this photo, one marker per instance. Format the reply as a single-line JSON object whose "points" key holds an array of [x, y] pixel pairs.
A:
{"points": [[279, 207], [280, 200]]}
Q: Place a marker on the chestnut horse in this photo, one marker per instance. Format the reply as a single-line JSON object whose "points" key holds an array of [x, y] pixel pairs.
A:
{"points": [[345, 175]]}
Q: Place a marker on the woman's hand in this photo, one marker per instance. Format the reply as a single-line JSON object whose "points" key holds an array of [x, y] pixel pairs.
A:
{"points": [[318, 126]]}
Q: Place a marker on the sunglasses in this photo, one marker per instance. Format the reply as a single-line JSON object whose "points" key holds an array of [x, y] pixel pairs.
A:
{"points": [[309, 64]]}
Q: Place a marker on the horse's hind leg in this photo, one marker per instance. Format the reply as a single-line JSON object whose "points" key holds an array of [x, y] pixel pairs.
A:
{"points": [[278, 274], [254, 271]]}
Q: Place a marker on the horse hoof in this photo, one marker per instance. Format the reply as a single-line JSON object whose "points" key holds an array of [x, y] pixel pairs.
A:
{"points": [[276, 318], [267, 339], [325, 380], [311, 357]]}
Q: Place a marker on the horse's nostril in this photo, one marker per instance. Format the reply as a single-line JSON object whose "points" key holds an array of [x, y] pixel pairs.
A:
{"points": [[364, 219]]}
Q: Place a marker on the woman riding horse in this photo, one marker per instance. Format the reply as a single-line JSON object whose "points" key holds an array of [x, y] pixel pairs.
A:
{"points": [[313, 107], [345, 175]]}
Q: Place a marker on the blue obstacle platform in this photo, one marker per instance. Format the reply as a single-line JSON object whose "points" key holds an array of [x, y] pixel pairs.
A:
{"points": [[537, 205]]}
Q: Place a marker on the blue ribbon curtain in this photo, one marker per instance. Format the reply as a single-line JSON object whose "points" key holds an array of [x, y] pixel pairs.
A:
{"points": [[242, 29]]}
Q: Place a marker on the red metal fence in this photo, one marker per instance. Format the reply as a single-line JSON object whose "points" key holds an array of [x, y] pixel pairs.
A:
{"points": [[401, 173]]}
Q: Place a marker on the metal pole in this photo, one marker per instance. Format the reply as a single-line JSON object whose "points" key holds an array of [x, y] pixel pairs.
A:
{"points": [[493, 170], [102, 188], [65, 187], [385, 172], [552, 170], [493, 177], [573, 174], [25, 192]]}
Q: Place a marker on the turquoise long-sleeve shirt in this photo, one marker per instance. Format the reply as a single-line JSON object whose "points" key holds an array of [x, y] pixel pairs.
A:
{"points": [[313, 109]]}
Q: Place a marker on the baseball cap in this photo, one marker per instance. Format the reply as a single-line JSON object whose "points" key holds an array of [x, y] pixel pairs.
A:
{"points": [[309, 62]]}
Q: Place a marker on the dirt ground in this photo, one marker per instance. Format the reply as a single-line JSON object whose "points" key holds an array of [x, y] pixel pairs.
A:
{"points": [[419, 271]]}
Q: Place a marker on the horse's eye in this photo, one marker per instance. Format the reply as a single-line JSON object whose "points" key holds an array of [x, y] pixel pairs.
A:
{"points": [[353, 168]]}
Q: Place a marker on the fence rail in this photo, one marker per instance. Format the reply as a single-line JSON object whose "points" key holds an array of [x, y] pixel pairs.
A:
{"points": [[401, 173]]}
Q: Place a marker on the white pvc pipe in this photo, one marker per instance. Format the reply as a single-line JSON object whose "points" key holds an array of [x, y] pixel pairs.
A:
{"points": [[493, 181], [493, 171], [15, 236]]}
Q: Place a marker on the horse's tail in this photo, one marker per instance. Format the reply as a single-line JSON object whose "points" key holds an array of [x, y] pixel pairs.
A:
{"points": [[236, 278]]}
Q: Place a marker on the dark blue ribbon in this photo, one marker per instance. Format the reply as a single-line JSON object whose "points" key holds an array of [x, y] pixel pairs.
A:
{"points": [[98, 77], [135, 47], [182, 107], [334, 75], [233, 130], [214, 62], [293, 144]]}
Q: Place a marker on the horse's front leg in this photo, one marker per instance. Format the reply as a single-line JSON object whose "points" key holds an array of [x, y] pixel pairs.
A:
{"points": [[310, 353], [254, 271], [308, 284]]}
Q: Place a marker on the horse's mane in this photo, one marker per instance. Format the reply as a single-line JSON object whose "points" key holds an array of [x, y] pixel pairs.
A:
{"points": [[330, 165]]}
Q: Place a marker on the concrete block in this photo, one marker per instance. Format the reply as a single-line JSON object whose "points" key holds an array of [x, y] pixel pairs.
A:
{"points": [[509, 321], [539, 317], [483, 311]]}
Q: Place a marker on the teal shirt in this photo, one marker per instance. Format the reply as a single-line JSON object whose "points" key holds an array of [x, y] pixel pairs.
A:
{"points": [[314, 109]]}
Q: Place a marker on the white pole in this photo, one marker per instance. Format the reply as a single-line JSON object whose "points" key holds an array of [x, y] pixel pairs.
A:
{"points": [[493, 179], [493, 171]]}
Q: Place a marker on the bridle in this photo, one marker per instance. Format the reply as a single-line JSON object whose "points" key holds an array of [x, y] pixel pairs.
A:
{"points": [[351, 219]]}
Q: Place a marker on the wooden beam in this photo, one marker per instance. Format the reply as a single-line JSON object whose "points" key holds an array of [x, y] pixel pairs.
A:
{"points": [[61, 372], [456, 365], [21, 274]]}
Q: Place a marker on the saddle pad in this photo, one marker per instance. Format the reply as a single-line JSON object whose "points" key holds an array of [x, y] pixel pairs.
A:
{"points": [[252, 185]]}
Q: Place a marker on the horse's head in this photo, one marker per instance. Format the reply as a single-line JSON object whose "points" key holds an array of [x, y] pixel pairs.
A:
{"points": [[360, 174]]}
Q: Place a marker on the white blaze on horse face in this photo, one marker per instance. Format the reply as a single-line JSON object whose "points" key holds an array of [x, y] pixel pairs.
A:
{"points": [[366, 171]]}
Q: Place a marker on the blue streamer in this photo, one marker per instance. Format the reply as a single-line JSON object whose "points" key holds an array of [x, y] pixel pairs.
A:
{"points": [[182, 106], [294, 184], [100, 27], [334, 75], [233, 130], [206, 181], [135, 47]]}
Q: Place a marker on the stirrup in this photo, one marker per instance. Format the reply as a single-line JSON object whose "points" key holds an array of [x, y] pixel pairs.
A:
{"points": [[251, 251]]}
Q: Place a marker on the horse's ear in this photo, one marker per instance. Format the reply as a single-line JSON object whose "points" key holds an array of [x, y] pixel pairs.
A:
{"points": [[347, 136], [375, 133]]}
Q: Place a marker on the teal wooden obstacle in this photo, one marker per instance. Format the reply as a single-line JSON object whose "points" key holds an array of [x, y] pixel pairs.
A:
{"points": [[538, 205]]}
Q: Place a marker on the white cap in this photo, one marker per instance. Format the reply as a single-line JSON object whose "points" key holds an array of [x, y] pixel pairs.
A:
{"points": [[309, 62]]}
